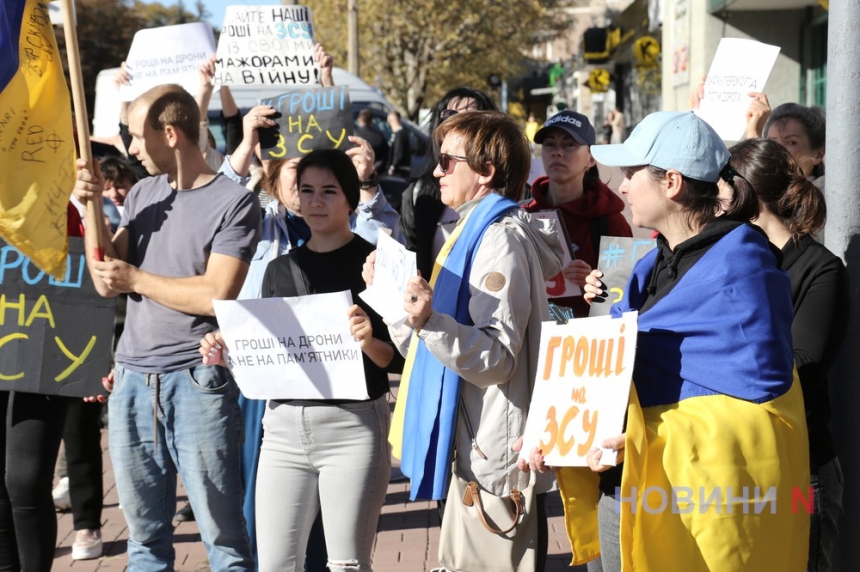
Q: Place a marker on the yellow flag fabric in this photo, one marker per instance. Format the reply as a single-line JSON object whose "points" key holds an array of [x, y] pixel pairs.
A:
{"points": [[717, 495], [395, 434], [37, 150]]}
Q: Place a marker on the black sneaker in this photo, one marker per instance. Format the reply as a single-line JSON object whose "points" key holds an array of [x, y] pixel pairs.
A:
{"points": [[185, 514]]}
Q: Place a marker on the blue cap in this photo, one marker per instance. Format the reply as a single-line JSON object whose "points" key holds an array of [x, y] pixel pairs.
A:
{"points": [[574, 124], [670, 140]]}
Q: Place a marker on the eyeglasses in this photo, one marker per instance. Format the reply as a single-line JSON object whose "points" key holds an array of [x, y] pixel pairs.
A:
{"points": [[445, 161], [446, 113]]}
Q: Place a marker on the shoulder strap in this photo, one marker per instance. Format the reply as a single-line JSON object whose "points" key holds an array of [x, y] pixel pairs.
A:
{"points": [[297, 273], [598, 227]]}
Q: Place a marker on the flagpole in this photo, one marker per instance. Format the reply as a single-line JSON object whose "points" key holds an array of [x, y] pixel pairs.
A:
{"points": [[81, 119]]}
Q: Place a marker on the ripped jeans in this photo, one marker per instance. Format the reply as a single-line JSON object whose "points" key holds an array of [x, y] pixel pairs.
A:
{"points": [[320, 456]]}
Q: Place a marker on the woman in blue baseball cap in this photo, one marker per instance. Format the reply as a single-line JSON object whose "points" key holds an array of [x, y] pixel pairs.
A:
{"points": [[588, 207], [715, 449]]}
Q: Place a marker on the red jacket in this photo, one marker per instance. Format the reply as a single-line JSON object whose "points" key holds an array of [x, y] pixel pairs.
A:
{"points": [[597, 201]]}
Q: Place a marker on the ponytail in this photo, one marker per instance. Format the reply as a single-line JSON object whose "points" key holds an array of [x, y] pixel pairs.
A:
{"points": [[802, 208]]}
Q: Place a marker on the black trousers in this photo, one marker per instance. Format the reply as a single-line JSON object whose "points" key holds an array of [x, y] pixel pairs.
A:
{"points": [[30, 439], [82, 439]]}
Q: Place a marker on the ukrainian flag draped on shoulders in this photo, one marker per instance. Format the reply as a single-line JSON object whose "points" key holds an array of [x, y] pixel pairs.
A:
{"points": [[716, 450], [37, 150], [425, 417]]}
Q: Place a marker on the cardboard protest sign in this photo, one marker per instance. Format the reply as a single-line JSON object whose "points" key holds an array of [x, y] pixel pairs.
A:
{"points": [[558, 287], [393, 268], [583, 384], [169, 54], [266, 45], [56, 336], [618, 256], [739, 67], [293, 348], [308, 119]]}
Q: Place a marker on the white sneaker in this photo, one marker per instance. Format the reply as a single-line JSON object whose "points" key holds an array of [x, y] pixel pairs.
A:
{"points": [[61, 495], [88, 545]]}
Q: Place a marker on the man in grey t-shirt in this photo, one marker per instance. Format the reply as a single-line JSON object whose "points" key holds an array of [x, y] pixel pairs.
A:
{"points": [[187, 236]]}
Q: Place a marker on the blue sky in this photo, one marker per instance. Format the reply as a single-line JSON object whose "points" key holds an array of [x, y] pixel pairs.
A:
{"points": [[218, 7]]}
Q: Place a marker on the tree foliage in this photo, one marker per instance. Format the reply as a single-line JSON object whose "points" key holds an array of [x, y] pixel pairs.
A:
{"points": [[105, 29], [416, 50]]}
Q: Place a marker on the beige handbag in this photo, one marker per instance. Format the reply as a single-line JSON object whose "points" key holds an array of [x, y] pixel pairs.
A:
{"points": [[482, 532]]}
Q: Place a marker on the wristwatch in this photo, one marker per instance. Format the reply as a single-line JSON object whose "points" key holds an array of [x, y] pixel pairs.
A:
{"points": [[370, 183]]}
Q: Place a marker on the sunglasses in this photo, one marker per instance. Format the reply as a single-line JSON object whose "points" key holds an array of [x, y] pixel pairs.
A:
{"points": [[445, 161], [446, 113]]}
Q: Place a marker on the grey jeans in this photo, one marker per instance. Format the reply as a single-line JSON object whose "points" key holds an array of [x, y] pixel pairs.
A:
{"points": [[318, 456], [608, 525]]}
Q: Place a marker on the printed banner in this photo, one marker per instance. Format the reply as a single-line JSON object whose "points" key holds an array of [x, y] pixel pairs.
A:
{"points": [[618, 256], [56, 336], [37, 151], [308, 119], [583, 384], [266, 45], [169, 54], [293, 348]]}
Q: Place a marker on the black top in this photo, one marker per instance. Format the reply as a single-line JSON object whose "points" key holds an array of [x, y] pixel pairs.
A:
{"points": [[669, 267], [335, 271], [379, 143], [400, 161], [819, 291]]}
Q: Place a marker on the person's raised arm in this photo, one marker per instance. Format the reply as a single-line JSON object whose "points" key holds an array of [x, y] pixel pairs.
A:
{"points": [[326, 64], [259, 117], [205, 73], [757, 115]]}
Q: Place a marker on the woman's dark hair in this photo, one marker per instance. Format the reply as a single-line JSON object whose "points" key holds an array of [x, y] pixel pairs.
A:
{"points": [[117, 169], [813, 121], [780, 185], [701, 200], [483, 102], [492, 138], [338, 164]]}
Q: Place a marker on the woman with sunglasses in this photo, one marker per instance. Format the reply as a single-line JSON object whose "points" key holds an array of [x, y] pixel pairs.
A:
{"points": [[421, 209], [473, 329]]}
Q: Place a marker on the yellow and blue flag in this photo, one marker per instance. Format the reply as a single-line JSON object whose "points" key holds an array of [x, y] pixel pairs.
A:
{"points": [[37, 149]]}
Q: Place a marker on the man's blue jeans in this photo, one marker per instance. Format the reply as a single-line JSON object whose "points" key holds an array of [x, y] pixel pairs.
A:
{"points": [[188, 422]]}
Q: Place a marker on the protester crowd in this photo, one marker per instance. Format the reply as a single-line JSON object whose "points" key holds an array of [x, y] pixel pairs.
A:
{"points": [[740, 318]]}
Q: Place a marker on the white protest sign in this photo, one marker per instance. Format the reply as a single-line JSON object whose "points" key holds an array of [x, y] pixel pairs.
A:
{"points": [[582, 388], [739, 67], [558, 287], [170, 54], [293, 348], [266, 45], [393, 268]]}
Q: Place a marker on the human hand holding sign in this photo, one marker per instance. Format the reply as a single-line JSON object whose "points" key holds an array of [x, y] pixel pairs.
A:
{"points": [[595, 454], [213, 349], [594, 290], [576, 272]]}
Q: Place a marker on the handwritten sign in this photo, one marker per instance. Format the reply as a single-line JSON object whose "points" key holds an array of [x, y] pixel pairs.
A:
{"points": [[308, 119], [393, 268], [293, 348], [558, 287], [169, 54], [618, 256], [739, 67], [266, 45], [583, 383], [56, 336]]}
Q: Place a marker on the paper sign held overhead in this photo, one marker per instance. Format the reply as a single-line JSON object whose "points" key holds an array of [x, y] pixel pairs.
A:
{"points": [[308, 119], [393, 268], [293, 348], [169, 54], [739, 67], [266, 45], [583, 384]]}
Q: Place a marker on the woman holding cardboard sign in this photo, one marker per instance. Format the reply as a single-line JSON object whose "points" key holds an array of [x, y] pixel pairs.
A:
{"points": [[473, 333], [328, 455], [716, 423]]}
